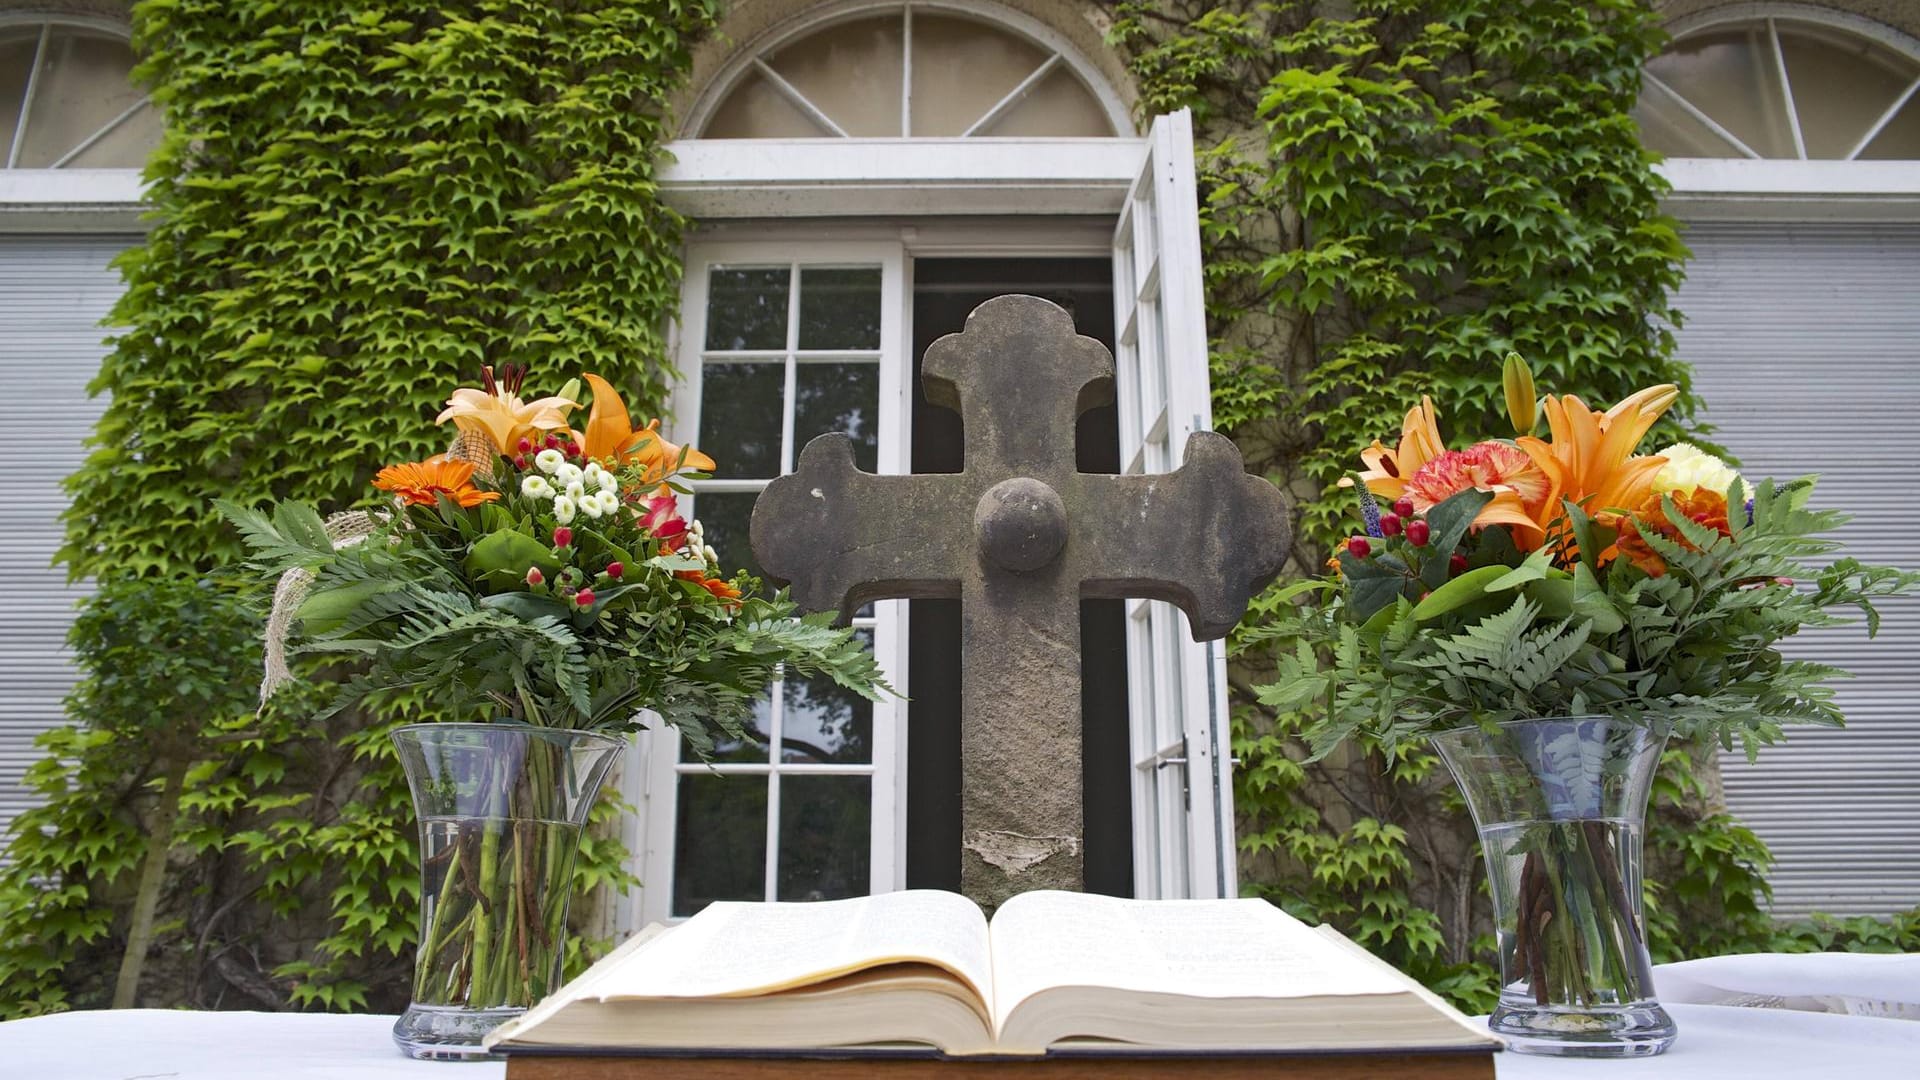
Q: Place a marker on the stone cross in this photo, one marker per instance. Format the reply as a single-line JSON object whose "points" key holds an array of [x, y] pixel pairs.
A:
{"points": [[1020, 537]]}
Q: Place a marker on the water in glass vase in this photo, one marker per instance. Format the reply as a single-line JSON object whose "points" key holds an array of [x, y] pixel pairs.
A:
{"points": [[493, 926], [1579, 982]]}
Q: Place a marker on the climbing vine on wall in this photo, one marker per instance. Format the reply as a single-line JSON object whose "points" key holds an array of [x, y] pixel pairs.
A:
{"points": [[1394, 193], [355, 206]]}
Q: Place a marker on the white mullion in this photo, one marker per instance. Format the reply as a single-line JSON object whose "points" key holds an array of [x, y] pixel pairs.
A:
{"points": [[1786, 90], [906, 72], [785, 768], [1886, 118], [26, 100], [1014, 97], [745, 355], [789, 391], [776, 731], [797, 99], [729, 486], [104, 131], [1694, 111]]}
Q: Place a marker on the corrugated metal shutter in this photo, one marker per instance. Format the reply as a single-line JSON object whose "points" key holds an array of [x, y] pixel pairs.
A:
{"points": [[1805, 341], [54, 290]]}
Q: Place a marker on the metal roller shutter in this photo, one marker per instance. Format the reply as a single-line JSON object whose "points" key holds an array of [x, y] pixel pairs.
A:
{"points": [[1805, 341], [54, 290]]}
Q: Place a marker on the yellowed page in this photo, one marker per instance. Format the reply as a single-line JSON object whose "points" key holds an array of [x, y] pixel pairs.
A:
{"points": [[580, 987], [1197, 948], [740, 949]]}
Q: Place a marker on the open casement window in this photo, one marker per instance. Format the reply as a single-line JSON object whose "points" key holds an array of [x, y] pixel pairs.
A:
{"points": [[1182, 789], [791, 328]]}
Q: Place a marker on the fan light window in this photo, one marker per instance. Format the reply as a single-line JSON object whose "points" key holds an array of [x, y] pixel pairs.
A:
{"points": [[1782, 87], [908, 73], [67, 99]]}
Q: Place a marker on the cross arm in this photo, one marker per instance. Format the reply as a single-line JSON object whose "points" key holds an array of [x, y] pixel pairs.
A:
{"points": [[1205, 537], [842, 537]]}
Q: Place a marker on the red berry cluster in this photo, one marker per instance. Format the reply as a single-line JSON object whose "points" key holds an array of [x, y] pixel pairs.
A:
{"points": [[522, 457], [1402, 521]]}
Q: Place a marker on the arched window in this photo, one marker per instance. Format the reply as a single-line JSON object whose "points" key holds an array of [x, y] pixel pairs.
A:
{"points": [[907, 70], [1801, 83], [67, 99]]}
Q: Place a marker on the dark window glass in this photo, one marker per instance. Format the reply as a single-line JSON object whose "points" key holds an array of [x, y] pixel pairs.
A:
{"points": [[740, 414], [825, 836], [839, 397], [840, 309], [747, 308], [720, 842]]}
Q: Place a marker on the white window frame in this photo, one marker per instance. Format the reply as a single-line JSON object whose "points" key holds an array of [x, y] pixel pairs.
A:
{"points": [[67, 200], [652, 786]]}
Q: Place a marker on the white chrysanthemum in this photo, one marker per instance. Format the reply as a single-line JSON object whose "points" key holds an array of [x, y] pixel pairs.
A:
{"points": [[576, 491], [567, 474], [609, 483], [590, 506], [1689, 468], [535, 486], [609, 501], [549, 461], [564, 509]]}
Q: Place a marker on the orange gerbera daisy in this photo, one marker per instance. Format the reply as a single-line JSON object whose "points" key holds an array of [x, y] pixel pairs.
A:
{"points": [[421, 483], [611, 434], [1709, 508]]}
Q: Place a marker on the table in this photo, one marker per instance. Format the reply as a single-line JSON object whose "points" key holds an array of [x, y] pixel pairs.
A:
{"points": [[153, 1044]]}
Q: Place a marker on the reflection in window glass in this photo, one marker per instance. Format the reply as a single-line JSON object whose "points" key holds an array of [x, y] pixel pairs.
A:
{"points": [[825, 837], [753, 748], [720, 841], [839, 397], [726, 517], [961, 69], [840, 308], [747, 308], [851, 72], [740, 417], [826, 722]]}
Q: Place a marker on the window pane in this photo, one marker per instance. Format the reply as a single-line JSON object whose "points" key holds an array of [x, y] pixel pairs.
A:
{"points": [[1730, 75], [725, 518], [747, 308], [1059, 106], [126, 146], [1670, 130], [839, 397], [1900, 139], [720, 841], [16, 57], [825, 837], [962, 68], [755, 110], [1841, 85], [840, 309], [826, 722], [753, 748], [83, 84], [851, 72], [740, 417]]}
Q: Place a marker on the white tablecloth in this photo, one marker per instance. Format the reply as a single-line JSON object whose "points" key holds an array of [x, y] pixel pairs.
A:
{"points": [[1716, 1043]]}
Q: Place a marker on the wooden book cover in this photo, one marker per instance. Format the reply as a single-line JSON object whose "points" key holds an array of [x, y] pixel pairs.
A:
{"points": [[919, 983]]}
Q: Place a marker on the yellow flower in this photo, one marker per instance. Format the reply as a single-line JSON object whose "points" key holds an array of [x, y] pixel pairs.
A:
{"points": [[1689, 468], [498, 413], [611, 434], [1389, 469]]}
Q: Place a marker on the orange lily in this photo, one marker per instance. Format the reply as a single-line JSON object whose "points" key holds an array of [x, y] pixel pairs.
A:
{"points": [[421, 483], [1388, 470], [611, 434], [1590, 458], [497, 412]]}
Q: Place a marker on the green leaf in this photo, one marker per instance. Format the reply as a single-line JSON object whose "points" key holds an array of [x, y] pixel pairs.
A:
{"points": [[1448, 523], [1463, 590], [505, 557]]}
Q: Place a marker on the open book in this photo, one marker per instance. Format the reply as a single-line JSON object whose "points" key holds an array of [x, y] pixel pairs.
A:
{"points": [[1055, 971]]}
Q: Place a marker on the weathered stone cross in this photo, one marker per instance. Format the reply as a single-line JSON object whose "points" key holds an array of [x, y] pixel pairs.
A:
{"points": [[1020, 537]]}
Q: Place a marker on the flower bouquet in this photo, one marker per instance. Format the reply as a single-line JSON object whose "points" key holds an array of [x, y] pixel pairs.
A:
{"points": [[542, 576], [1547, 612]]}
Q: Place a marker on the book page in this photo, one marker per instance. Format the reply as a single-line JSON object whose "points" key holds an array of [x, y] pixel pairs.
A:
{"points": [[1198, 948], [741, 949]]}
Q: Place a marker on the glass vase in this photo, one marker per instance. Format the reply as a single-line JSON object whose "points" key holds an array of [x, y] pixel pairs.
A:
{"points": [[1560, 806], [501, 807]]}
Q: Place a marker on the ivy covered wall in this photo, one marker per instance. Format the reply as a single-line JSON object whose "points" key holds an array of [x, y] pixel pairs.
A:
{"points": [[356, 205]]}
